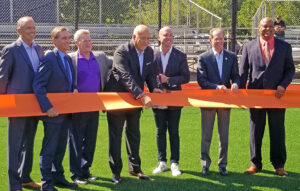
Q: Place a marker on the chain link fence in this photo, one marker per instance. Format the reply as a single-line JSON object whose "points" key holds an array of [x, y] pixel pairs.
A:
{"points": [[111, 22]]}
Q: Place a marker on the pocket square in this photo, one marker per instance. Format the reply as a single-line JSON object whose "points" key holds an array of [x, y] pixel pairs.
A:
{"points": [[147, 64]]}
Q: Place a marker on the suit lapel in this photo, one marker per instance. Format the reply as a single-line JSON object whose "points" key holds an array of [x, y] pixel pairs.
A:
{"points": [[39, 51], [24, 54], [171, 60], [159, 68], [135, 57], [257, 51], [100, 59]]}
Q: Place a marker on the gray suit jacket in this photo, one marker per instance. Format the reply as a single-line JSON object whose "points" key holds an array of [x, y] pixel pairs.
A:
{"points": [[280, 70], [104, 63], [208, 76], [16, 71]]}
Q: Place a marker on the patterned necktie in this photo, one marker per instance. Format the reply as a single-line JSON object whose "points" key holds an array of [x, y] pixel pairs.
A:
{"points": [[267, 53], [68, 70]]}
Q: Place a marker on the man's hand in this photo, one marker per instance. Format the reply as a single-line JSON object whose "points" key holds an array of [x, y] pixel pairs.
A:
{"points": [[52, 112], [222, 87], [234, 87], [279, 92], [164, 78], [147, 101], [157, 90]]}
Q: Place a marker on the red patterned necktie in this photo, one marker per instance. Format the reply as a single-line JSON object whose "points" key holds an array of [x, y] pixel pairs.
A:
{"points": [[267, 53]]}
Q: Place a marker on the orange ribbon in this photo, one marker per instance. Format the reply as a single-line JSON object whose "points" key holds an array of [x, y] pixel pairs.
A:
{"points": [[17, 105]]}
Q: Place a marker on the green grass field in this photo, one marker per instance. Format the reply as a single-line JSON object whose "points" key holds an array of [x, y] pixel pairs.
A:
{"points": [[190, 139]]}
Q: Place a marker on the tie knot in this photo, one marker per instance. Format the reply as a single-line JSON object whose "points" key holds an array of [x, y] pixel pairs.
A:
{"points": [[266, 44]]}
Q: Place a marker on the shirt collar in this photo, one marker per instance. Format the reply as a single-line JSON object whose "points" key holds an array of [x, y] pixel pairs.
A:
{"points": [[270, 41], [216, 53], [168, 53], [25, 45], [61, 54], [139, 54], [80, 56]]}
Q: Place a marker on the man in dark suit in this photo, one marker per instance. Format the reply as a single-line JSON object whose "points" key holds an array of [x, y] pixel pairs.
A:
{"points": [[55, 75], [18, 66], [271, 66], [91, 70], [217, 69], [171, 69], [132, 67]]}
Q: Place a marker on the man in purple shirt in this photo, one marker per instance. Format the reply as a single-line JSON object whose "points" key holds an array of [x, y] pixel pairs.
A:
{"points": [[91, 69]]}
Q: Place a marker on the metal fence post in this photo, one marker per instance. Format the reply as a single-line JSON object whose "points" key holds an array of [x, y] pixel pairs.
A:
{"points": [[177, 13], [76, 14], [57, 11], [140, 9], [233, 25], [100, 12], [11, 9], [170, 12], [197, 20]]}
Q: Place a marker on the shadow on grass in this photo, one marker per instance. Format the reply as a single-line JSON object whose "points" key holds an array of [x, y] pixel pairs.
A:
{"points": [[191, 180]]}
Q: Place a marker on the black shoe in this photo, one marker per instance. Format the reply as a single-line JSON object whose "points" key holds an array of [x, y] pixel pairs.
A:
{"points": [[80, 181], [223, 171], [139, 175], [205, 171], [116, 179], [63, 183], [90, 177]]}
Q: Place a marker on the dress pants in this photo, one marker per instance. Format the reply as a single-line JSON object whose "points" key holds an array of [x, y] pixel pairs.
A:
{"points": [[276, 119], [130, 119], [57, 167], [207, 123], [82, 143], [167, 119], [21, 133], [53, 148]]}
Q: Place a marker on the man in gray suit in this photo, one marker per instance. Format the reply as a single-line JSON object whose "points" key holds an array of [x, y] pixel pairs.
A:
{"points": [[91, 70], [217, 69], [18, 66], [171, 69]]}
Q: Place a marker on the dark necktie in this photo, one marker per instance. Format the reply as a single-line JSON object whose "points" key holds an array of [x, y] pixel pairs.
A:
{"points": [[68, 70]]}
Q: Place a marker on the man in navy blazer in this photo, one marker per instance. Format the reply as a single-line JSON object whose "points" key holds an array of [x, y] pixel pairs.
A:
{"points": [[132, 67], [217, 69], [55, 75], [18, 66], [171, 69], [271, 66]]}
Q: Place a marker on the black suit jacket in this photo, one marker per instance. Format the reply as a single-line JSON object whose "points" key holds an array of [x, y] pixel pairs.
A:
{"points": [[52, 78], [280, 70], [177, 69], [208, 76], [125, 75]]}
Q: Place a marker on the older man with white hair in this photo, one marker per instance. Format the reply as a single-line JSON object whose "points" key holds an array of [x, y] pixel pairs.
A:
{"points": [[91, 69]]}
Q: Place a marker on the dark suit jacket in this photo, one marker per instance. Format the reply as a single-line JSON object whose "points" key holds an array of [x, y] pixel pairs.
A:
{"points": [[208, 76], [280, 70], [51, 78], [125, 75], [16, 71], [177, 69], [104, 63]]}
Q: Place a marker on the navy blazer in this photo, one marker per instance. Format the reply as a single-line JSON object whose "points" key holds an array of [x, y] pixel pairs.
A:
{"points": [[177, 69], [280, 70], [125, 75], [52, 78], [208, 75], [16, 70]]}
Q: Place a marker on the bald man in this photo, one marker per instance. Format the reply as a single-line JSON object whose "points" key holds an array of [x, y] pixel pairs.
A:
{"points": [[132, 67], [171, 69], [268, 63], [18, 66]]}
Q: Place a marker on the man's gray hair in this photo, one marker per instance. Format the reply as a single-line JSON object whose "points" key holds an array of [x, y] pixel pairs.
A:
{"points": [[79, 33]]}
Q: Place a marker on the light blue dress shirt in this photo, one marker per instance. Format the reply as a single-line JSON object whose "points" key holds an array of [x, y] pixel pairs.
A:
{"points": [[141, 60], [32, 54]]}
